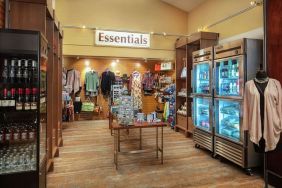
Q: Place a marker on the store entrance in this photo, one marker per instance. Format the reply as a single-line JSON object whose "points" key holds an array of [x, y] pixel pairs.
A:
{"points": [[88, 89]]}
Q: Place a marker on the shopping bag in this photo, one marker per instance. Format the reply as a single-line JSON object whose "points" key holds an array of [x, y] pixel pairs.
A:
{"points": [[87, 107]]}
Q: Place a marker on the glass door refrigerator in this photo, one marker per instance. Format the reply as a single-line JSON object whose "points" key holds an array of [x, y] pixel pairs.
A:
{"points": [[23, 58], [234, 64], [202, 98]]}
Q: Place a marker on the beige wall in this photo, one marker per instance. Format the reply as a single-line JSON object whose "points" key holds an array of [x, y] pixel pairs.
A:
{"points": [[213, 10], [132, 15]]}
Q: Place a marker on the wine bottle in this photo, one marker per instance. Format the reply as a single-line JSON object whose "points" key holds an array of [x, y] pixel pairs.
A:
{"points": [[12, 72], [19, 101], [27, 99], [33, 105], [25, 71], [19, 71], [5, 71]]}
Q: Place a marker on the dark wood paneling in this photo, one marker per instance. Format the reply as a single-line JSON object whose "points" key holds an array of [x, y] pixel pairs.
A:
{"points": [[27, 16], [33, 1], [2, 14], [274, 66]]}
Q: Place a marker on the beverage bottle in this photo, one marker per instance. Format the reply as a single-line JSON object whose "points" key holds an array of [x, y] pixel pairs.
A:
{"points": [[27, 99], [7, 133], [12, 98], [238, 86], [233, 71], [23, 132], [19, 101], [230, 88], [12, 72], [4, 102], [16, 133], [34, 71], [5, 71], [25, 71], [237, 70], [2, 133], [31, 131], [33, 105], [19, 71], [234, 88]]}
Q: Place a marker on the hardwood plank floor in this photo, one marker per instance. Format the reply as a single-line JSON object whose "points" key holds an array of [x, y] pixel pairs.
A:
{"points": [[86, 161]]}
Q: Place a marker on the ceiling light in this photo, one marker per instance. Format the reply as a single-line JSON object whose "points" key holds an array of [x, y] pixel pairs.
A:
{"points": [[114, 63], [87, 62], [138, 65], [117, 60], [152, 33], [164, 33], [83, 27]]}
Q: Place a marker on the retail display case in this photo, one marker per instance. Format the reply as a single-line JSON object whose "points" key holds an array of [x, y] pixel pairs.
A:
{"points": [[202, 98], [234, 63], [23, 118]]}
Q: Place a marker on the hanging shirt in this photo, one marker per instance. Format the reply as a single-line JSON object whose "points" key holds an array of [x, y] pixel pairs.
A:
{"points": [[135, 87], [148, 81], [91, 81], [108, 78], [272, 113], [73, 81]]}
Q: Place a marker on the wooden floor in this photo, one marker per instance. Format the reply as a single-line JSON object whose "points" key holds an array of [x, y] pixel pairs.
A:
{"points": [[86, 161]]}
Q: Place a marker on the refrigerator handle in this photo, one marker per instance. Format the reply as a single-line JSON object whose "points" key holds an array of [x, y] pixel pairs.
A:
{"points": [[192, 83], [192, 110]]}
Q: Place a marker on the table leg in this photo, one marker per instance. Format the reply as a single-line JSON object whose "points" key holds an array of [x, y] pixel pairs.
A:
{"points": [[115, 148], [157, 142], [118, 140], [140, 144], [162, 146]]}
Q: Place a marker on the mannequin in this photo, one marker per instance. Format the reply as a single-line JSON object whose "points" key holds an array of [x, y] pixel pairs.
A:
{"points": [[261, 81]]}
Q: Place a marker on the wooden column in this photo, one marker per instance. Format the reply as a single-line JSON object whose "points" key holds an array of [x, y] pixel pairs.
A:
{"points": [[273, 25]]}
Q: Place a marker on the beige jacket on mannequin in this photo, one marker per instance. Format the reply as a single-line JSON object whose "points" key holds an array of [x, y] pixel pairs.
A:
{"points": [[272, 113]]}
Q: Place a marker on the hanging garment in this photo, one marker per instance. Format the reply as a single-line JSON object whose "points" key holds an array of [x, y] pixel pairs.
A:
{"points": [[91, 83], [64, 78], [272, 113], [135, 87], [148, 81], [108, 78], [166, 111], [73, 81]]}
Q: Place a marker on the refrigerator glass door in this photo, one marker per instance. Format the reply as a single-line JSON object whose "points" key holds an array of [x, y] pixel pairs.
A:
{"points": [[228, 122], [202, 113], [201, 78], [229, 77]]}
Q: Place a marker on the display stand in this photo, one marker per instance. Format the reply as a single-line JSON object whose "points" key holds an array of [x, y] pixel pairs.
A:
{"points": [[23, 148], [41, 17], [184, 48]]}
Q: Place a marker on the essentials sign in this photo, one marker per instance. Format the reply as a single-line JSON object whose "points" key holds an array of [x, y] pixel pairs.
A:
{"points": [[122, 39]]}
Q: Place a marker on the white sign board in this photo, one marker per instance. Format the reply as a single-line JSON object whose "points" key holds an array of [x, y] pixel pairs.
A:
{"points": [[122, 39]]}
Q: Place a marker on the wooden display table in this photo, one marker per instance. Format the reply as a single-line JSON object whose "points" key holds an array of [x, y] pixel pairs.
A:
{"points": [[116, 132]]}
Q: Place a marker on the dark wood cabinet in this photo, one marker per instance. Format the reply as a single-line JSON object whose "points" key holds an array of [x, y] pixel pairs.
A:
{"points": [[39, 15], [273, 57]]}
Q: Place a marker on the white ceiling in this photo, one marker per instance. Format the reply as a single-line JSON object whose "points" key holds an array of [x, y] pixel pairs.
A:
{"points": [[186, 5]]}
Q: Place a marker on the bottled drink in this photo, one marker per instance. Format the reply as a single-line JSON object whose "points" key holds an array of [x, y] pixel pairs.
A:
{"points": [[19, 71], [27, 99], [230, 88], [5, 71], [12, 98], [34, 71], [234, 88], [24, 133], [237, 70], [12, 72], [25, 71], [31, 131], [4, 102], [2, 133], [19, 101], [16, 133], [238, 86], [33, 105], [7, 133]]}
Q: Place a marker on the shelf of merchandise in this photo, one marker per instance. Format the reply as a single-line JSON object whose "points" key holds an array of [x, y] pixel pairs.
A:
{"points": [[184, 47], [29, 145], [42, 17]]}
